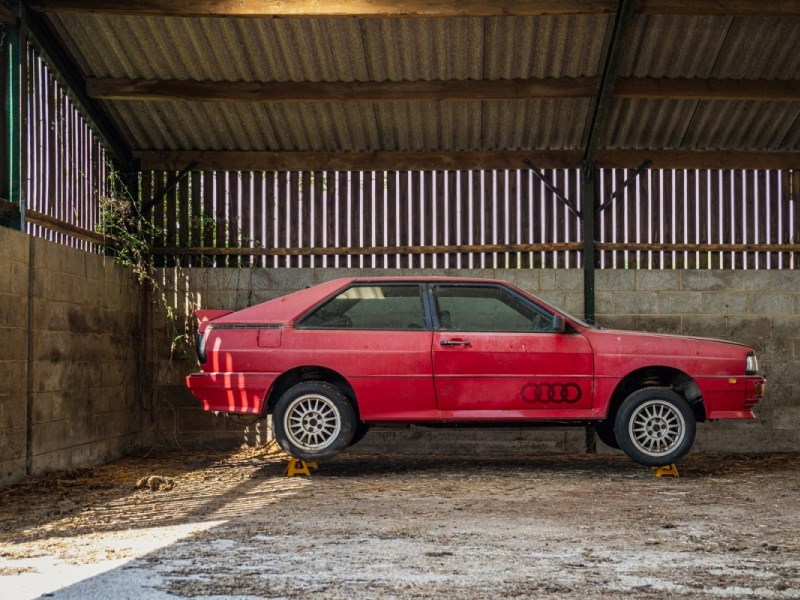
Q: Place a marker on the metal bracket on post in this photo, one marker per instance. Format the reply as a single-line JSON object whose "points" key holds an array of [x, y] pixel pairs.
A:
{"points": [[171, 185], [549, 185], [625, 185]]}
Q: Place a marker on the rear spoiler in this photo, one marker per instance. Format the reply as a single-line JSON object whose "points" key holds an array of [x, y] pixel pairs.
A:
{"points": [[204, 316]]}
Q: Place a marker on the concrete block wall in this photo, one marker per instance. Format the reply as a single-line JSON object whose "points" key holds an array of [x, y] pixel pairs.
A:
{"points": [[14, 260], [70, 324], [759, 308]]}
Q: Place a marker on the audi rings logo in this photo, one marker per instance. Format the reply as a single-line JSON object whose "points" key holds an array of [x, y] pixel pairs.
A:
{"points": [[557, 393]]}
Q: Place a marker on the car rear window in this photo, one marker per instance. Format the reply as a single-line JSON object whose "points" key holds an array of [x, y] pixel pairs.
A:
{"points": [[395, 307]]}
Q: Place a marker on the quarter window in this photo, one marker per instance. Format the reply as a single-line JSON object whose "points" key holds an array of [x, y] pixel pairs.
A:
{"points": [[370, 307], [488, 308]]}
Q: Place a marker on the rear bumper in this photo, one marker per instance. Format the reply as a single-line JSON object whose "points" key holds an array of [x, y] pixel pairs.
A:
{"points": [[239, 393]]}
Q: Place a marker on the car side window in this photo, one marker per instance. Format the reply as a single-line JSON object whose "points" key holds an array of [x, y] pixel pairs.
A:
{"points": [[394, 307], [487, 308]]}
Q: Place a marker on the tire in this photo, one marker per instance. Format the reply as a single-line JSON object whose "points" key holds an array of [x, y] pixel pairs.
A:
{"points": [[655, 426], [605, 431], [361, 430], [313, 421]]}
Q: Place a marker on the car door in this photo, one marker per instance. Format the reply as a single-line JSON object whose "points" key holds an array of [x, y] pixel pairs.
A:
{"points": [[377, 338], [496, 355]]}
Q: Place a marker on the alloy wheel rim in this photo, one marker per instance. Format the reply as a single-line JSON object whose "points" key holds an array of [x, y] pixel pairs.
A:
{"points": [[657, 427], [312, 422]]}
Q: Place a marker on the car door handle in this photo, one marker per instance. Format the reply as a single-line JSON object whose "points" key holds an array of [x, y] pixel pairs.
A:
{"points": [[455, 343]]}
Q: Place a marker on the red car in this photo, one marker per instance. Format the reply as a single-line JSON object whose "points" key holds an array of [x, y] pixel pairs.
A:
{"points": [[328, 361]]}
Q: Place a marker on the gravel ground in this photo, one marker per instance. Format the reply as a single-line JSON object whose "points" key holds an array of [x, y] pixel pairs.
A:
{"points": [[232, 525]]}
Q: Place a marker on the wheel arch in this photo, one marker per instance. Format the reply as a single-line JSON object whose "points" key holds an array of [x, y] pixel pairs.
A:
{"points": [[309, 373], [657, 376]]}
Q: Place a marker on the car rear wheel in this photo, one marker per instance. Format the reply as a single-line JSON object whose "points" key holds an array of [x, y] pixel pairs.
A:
{"points": [[655, 426], [313, 421]]}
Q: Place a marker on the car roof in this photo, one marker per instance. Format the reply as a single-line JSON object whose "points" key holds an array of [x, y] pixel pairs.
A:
{"points": [[285, 309]]}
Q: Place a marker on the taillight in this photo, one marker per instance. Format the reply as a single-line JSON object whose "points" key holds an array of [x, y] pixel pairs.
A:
{"points": [[201, 345]]}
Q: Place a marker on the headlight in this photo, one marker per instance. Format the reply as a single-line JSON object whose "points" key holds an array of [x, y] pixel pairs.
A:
{"points": [[751, 366]]}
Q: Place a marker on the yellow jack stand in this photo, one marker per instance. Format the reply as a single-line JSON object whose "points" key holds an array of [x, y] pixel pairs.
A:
{"points": [[667, 471], [299, 467]]}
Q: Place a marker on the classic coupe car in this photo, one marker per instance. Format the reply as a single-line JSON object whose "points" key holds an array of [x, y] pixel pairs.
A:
{"points": [[328, 361]]}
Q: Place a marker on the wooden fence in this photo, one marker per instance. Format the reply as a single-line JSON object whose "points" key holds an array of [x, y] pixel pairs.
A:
{"points": [[67, 171], [472, 219]]}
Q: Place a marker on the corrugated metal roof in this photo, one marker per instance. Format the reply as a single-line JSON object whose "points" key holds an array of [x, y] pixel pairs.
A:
{"points": [[339, 49]]}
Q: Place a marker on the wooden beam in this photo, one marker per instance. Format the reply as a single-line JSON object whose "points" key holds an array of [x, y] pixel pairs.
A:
{"points": [[339, 91], [645, 88], [698, 159], [416, 8], [168, 160], [772, 90], [38, 218], [341, 8], [346, 251], [720, 8], [631, 247], [353, 161]]}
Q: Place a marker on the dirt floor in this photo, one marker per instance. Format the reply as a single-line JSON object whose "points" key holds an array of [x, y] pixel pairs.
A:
{"points": [[232, 525]]}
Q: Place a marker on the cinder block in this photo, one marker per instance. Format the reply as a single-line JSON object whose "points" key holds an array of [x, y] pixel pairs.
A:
{"points": [[14, 245], [770, 303], [666, 324], [13, 377], [59, 258], [296, 279], [557, 299], [747, 280], [527, 279], [17, 278], [784, 280], [702, 280], [786, 327], [15, 343], [724, 303], [683, 303], [13, 443], [13, 311], [654, 281], [574, 304], [704, 326], [636, 303], [743, 329], [626, 322], [561, 279], [12, 471], [615, 280], [13, 412]]}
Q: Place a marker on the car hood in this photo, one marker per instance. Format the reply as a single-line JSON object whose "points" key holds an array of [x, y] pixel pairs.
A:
{"points": [[618, 341]]}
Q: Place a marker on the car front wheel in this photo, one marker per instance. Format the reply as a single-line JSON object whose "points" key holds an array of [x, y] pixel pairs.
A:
{"points": [[655, 426], [313, 421]]}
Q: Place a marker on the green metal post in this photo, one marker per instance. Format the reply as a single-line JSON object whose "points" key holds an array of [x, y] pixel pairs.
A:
{"points": [[588, 209], [12, 181]]}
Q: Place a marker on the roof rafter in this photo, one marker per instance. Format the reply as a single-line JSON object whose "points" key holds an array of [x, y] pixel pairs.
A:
{"points": [[388, 91], [416, 8], [450, 161]]}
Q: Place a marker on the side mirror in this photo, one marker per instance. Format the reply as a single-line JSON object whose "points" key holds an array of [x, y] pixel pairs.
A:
{"points": [[559, 325]]}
